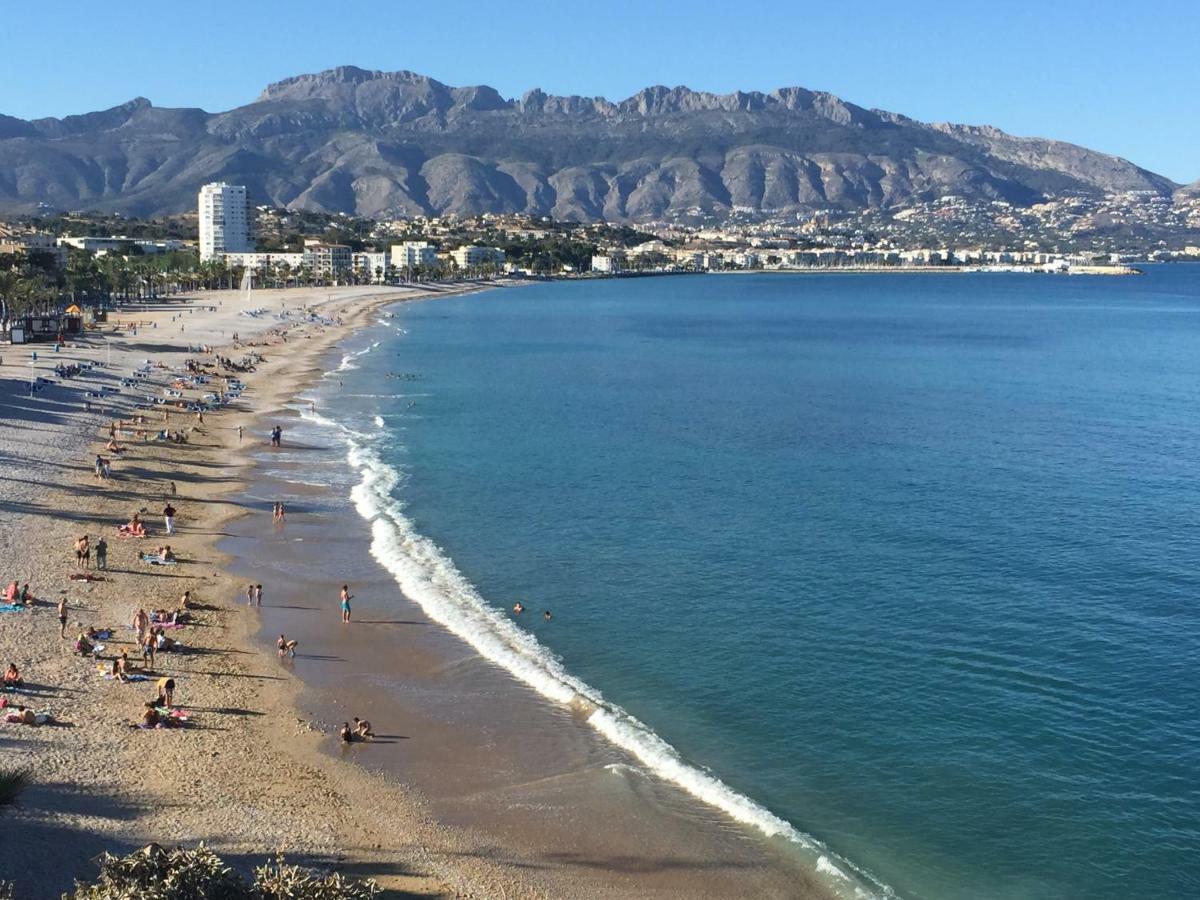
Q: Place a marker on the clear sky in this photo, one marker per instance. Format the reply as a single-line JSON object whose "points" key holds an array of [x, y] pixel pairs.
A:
{"points": [[1121, 77]]}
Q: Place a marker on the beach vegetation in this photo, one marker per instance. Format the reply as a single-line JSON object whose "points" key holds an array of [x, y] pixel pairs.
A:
{"points": [[155, 873], [12, 782]]}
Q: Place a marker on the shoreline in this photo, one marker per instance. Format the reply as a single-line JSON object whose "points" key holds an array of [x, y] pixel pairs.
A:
{"points": [[244, 775], [694, 847], [254, 773]]}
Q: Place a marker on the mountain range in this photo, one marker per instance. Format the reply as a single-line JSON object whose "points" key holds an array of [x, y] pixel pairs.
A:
{"points": [[398, 144]]}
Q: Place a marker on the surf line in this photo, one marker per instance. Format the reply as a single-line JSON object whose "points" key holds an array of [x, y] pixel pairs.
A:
{"points": [[428, 577]]}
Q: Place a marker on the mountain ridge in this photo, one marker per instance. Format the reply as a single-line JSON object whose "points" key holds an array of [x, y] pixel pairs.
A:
{"points": [[401, 143]]}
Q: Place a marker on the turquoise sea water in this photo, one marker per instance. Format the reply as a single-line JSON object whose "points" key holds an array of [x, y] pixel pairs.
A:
{"points": [[909, 560]]}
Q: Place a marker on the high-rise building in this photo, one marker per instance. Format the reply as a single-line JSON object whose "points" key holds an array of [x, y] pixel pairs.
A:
{"points": [[224, 220]]}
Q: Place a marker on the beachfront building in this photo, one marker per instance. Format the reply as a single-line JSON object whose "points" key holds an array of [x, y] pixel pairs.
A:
{"points": [[414, 254], [608, 264], [328, 260], [471, 256], [259, 262], [372, 267], [224, 220]]}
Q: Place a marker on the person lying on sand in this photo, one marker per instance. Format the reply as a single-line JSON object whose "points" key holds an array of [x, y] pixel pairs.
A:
{"points": [[113, 447], [286, 647], [22, 716], [12, 678]]}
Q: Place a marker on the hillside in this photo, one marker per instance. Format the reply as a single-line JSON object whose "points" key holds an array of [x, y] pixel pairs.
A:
{"points": [[398, 143]]}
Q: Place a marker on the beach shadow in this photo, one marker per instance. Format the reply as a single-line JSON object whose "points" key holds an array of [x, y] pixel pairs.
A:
{"points": [[320, 656]]}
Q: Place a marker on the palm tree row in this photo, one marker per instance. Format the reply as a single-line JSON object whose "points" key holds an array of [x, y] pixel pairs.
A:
{"points": [[30, 285]]}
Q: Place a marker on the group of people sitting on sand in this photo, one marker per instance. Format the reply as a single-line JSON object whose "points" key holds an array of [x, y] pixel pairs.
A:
{"points": [[135, 527], [163, 554], [360, 732], [19, 595]]}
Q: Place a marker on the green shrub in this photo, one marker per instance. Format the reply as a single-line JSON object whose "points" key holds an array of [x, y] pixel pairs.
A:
{"points": [[153, 873], [12, 782]]}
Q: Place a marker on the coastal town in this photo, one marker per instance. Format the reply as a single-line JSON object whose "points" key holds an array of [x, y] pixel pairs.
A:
{"points": [[231, 240]]}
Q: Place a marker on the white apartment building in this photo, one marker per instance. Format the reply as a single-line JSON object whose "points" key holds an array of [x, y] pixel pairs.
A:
{"points": [[224, 220], [471, 256], [371, 266], [328, 259], [608, 264], [261, 261], [412, 254]]}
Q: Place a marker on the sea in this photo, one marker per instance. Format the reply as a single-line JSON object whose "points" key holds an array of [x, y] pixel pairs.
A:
{"points": [[901, 569]]}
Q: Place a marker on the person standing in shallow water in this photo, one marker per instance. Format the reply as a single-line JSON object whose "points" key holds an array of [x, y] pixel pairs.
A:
{"points": [[346, 597]]}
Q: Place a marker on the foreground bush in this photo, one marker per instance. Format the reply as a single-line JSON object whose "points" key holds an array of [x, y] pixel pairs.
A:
{"points": [[12, 782], [153, 873]]}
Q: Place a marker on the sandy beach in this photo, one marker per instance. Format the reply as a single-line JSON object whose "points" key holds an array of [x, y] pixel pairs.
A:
{"points": [[253, 772]]}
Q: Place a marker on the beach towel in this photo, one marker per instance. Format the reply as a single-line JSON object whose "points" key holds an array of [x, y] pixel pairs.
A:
{"points": [[11, 607], [155, 561]]}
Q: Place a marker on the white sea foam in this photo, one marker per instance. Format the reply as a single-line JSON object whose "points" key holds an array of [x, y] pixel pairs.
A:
{"points": [[429, 577], [347, 364]]}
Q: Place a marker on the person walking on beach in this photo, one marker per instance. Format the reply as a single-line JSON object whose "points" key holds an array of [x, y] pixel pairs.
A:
{"points": [[169, 518], [62, 617], [240, 434], [258, 595], [101, 553], [276, 436], [346, 598], [249, 595]]}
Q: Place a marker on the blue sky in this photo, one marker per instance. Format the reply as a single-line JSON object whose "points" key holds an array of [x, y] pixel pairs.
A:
{"points": [[1119, 77]]}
